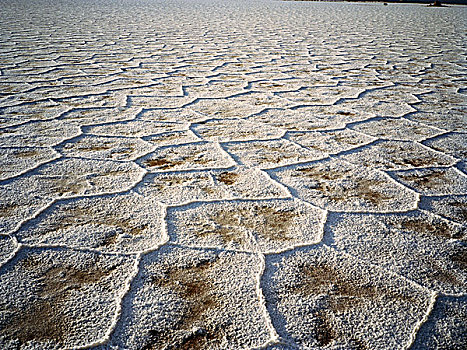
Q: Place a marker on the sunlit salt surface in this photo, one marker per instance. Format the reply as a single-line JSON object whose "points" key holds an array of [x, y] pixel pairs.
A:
{"points": [[232, 175]]}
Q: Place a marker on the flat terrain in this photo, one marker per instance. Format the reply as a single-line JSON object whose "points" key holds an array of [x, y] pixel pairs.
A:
{"points": [[232, 175]]}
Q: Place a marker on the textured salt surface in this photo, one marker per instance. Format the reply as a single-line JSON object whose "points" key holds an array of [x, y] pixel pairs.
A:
{"points": [[232, 175]]}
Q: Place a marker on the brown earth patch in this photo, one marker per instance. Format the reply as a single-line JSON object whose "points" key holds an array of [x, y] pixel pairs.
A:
{"points": [[460, 258], [364, 189], [227, 178], [420, 225], [415, 162], [215, 129], [97, 146], [398, 155], [345, 139], [263, 220], [357, 188], [163, 163], [163, 182], [322, 174], [127, 149], [41, 321], [442, 273], [345, 292], [193, 329], [8, 209], [323, 329], [431, 179], [342, 292], [44, 318], [78, 216], [26, 154]]}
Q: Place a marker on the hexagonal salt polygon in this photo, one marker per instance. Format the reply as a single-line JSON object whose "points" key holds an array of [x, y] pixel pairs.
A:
{"points": [[60, 298], [191, 299], [267, 225], [319, 298], [334, 185], [124, 223], [417, 245]]}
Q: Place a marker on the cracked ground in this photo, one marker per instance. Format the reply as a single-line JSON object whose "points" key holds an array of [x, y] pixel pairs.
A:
{"points": [[232, 175]]}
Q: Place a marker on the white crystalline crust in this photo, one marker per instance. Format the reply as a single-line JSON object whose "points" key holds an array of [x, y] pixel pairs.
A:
{"points": [[232, 175]]}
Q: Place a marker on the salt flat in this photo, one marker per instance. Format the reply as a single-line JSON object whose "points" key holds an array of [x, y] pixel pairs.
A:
{"points": [[232, 175]]}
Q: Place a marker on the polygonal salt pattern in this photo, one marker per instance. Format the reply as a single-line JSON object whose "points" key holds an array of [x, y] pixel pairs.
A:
{"points": [[398, 94], [396, 129], [420, 246], [334, 185], [8, 246], [149, 101], [84, 99], [223, 108], [261, 100], [397, 155], [186, 157], [267, 225], [134, 128], [310, 118], [89, 116], [235, 130], [296, 120], [22, 197], [433, 181], [119, 223], [438, 101], [38, 134], [120, 142], [449, 120], [18, 160], [248, 183], [52, 296], [454, 144], [326, 95], [173, 138], [277, 85], [105, 147], [445, 327], [177, 115], [174, 188], [452, 207], [73, 176], [444, 110], [269, 154], [381, 108], [216, 89], [7, 121], [19, 200], [35, 111], [142, 85], [61, 92], [329, 142], [193, 299], [318, 298]]}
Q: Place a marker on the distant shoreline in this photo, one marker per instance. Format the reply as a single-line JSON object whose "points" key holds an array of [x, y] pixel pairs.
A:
{"points": [[423, 2]]}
